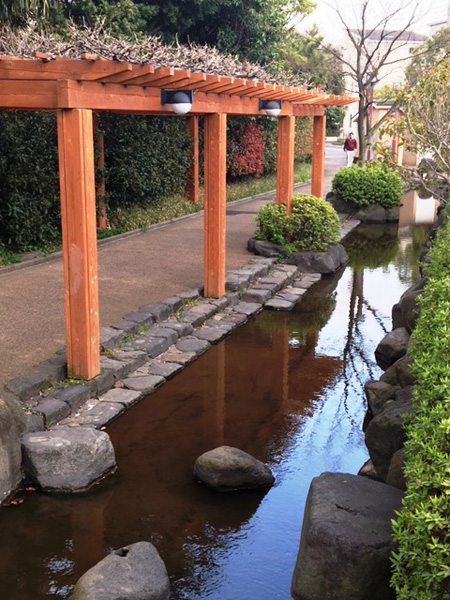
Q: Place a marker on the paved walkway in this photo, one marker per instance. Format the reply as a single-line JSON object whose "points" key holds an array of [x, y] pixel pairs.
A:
{"points": [[133, 271]]}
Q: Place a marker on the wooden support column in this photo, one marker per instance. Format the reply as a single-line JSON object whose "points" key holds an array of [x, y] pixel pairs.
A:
{"points": [[192, 179], [285, 161], [318, 156], [100, 164], [215, 133], [77, 187]]}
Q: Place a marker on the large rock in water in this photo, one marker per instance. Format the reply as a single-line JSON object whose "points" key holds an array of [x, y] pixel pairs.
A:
{"points": [[399, 373], [225, 469], [396, 475], [378, 393], [325, 263], [67, 460], [346, 540], [135, 572], [408, 305], [392, 347], [385, 434], [11, 426]]}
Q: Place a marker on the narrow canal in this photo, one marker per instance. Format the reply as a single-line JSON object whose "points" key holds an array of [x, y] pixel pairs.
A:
{"points": [[288, 388]]}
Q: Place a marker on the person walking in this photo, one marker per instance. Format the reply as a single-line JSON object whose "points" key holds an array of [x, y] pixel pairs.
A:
{"points": [[350, 146]]}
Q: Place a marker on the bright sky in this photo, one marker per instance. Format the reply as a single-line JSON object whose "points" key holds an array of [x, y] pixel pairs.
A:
{"points": [[329, 25]]}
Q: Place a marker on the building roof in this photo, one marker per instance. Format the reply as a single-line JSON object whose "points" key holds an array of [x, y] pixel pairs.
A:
{"points": [[405, 36]]}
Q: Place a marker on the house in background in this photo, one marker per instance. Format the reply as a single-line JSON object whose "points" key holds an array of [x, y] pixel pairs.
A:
{"points": [[392, 74]]}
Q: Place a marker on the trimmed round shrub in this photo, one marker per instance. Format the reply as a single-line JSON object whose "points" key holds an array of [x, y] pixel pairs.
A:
{"points": [[312, 224], [370, 184]]}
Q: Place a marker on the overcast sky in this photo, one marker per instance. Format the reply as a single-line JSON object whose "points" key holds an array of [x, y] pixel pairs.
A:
{"points": [[428, 11]]}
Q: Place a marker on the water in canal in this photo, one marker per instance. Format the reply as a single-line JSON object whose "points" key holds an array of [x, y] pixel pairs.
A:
{"points": [[288, 388]]}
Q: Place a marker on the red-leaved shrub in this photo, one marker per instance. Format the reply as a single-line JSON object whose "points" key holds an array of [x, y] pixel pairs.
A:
{"points": [[245, 148]]}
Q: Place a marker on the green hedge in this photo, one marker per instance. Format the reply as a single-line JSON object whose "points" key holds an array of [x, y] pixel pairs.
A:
{"points": [[370, 184], [146, 160], [29, 189], [312, 224], [422, 563]]}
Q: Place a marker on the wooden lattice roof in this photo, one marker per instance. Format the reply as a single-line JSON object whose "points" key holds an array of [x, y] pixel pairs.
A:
{"points": [[92, 69]]}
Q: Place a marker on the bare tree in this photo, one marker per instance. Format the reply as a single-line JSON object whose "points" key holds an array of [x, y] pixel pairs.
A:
{"points": [[423, 124], [373, 50]]}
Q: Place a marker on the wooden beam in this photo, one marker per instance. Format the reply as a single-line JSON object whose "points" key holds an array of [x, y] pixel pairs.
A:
{"points": [[301, 110], [77, 186], [62, 68], [128, 76], [215, 134], [191, 83], [318, 156], [132, 99], [285, 161], [139, 100], [30, 95], [192, 186], [99, 140]]}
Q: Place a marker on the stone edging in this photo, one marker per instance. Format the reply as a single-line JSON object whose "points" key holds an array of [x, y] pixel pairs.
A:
{"points": [[154, 343]]}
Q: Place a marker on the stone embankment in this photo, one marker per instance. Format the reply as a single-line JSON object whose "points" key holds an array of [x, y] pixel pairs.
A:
{"points": [[346, 539]]}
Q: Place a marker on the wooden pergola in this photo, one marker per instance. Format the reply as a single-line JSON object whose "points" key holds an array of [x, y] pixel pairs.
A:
{"points": [[77, 88]]}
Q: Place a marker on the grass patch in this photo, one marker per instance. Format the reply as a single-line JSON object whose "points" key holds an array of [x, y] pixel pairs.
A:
{"points": [[243, 188], [139, 217], [7, 257]]}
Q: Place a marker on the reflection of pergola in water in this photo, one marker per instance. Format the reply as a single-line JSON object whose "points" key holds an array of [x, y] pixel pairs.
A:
{"points": [[304, 372], [76, 87]]}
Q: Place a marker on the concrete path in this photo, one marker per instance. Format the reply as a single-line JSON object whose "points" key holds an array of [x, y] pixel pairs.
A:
{"points": [[133, 271]]}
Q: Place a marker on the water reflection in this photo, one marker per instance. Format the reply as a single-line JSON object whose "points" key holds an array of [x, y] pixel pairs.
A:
{"points": [[417, 209], [286, 387]]}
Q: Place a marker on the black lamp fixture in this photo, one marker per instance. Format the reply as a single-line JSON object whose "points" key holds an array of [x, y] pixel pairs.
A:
{"points": [[180, 102], [272, 107]]}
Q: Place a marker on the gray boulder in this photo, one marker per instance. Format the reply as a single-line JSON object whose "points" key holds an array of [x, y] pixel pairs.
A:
{"points": [[225, 469], [374, 213], [11, 426], [392, 347], [397, 317], [346, 540], [325, 263], [135, 572], [368, 470], [265, 248], [408, 304], [67, 460], [396, 476], [399, 373], [393, 214], [385, 434], [378, 393], [340, 205]]}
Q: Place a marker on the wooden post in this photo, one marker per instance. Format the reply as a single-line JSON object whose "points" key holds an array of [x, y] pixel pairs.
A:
{"points": [[192, 179], [77, 187], [215, 200], [318, 156], [100, 164], [285, 161]]}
